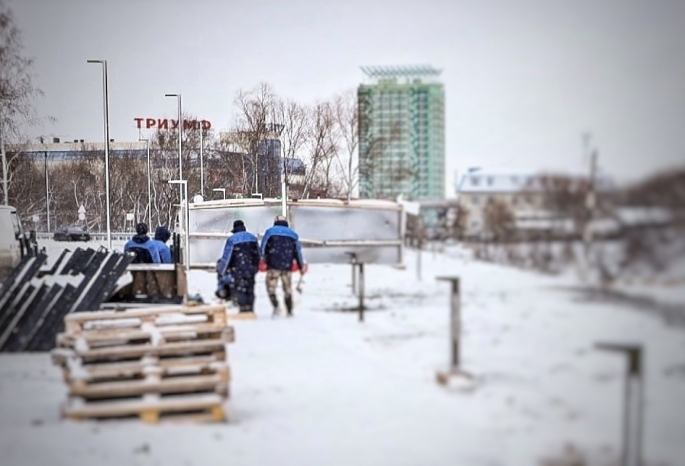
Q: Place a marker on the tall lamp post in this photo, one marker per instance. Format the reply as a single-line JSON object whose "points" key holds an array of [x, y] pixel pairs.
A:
{"points": [[220, 190], [202, 168], [149, 184], [186, 221], [47, 191], [180, 135], [106, 115]]}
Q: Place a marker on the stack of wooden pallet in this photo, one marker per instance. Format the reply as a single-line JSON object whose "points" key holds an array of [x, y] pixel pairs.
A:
{"points": [[154, 363]]}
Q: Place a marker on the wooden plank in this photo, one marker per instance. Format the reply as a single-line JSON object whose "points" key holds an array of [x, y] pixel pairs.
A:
{"points": [[76, 370], [166, 349], [242, 316], [181, 384], [76, 321], [147, 334], [150, 410]]}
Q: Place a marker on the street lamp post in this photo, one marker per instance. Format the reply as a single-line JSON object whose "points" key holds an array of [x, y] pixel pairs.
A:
{"points": [[202, 168], [180, 135], [106, 115], [149, 183], [186, 220], [221, 190], [47, 191]]}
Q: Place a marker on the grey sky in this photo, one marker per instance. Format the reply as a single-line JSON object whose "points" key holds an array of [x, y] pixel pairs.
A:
{"points": [[523, 79]]}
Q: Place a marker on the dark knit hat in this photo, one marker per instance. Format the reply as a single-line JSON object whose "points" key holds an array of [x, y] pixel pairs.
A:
{"points": [[141, 228], [162, 233], [281, 220], [238, 225]]}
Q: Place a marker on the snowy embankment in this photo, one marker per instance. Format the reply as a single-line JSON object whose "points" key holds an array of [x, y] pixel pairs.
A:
{"points": [[322, 388]]}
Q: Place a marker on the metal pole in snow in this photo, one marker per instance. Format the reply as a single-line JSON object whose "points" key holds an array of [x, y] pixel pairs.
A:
{"points": [[361, 292], [633, 405]]}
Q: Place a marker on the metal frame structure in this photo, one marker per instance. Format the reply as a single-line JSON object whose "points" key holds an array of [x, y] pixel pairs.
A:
{"points": [[403, 71], [383, 244]]}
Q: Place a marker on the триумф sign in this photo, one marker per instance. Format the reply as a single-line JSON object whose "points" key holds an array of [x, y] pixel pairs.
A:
{"points": [[163, 123]]}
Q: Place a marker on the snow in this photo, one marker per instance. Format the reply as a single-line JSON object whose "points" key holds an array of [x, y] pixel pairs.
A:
{"points": [[323, 388]]}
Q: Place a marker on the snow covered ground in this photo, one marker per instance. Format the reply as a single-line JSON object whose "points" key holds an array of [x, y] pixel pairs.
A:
{"points": [[322, 388]]}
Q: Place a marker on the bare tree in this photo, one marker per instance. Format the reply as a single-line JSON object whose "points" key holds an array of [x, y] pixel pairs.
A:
{"points": [[498, 221], [255, 124], [17, 90], [295, 122], [322, 147], [346, 114]]}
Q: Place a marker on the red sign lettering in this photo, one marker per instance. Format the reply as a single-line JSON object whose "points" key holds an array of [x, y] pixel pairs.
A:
{"points": [[164, 123]]}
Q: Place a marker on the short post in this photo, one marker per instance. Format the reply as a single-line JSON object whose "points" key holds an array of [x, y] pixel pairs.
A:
{"points": [[353, 261], [631, 450], [455, 331], [361, 291]]}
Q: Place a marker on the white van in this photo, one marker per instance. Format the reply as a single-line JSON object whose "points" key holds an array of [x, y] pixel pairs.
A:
{"points": [[11, 240]]}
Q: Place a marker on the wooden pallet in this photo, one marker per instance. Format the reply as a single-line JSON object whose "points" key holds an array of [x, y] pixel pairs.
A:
{"points": [[135, 318], [153, 363], [152, 408]]}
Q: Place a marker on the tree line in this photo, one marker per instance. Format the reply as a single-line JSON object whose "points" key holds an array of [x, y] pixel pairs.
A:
{"points": [[269, 134]]}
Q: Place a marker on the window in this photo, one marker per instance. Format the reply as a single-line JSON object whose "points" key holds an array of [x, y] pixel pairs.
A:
{"points": [[475, 200], [490, 180], [475, 180]]}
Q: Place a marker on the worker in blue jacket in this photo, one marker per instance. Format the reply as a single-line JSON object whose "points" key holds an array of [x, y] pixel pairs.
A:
{"points": [[238, 266], [162, 235], [281, 250], [145, 250]]}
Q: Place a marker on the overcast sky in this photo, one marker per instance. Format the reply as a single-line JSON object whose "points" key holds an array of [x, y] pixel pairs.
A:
{"points": [[523, 79]]}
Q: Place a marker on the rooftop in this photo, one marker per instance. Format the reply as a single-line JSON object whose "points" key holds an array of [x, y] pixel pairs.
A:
{"points": [[402, 71]]}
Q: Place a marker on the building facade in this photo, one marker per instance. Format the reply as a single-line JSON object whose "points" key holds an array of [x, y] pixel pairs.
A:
{"points": [[402, 133], [528, 196]]}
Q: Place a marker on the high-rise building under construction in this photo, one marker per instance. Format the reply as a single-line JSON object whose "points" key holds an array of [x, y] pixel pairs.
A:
{"points": [[401, 133]]}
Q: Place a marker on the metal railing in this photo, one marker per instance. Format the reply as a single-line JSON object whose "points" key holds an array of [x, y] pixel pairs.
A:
{"points": [[116, 236]]}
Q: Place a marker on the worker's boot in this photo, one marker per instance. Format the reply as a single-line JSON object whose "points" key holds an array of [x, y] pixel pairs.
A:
{"points": [[274, 303], [289, 305]]}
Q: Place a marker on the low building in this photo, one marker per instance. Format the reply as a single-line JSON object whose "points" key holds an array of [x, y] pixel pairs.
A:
{"points": [[528, 196]]}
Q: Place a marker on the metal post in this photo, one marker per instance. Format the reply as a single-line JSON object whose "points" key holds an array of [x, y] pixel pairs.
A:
{"points": [[455, 322], [633, 405], [353, 261], [284, 197], [47, 192], [180, 136], [4, 166], [180, 148], [185, 222], [361, 292], [149, 184], [106, 112], [202, 169], [187, 226]]}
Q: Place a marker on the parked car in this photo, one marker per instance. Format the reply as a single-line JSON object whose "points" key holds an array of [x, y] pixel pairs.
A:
{"points": [[71, 234]]}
